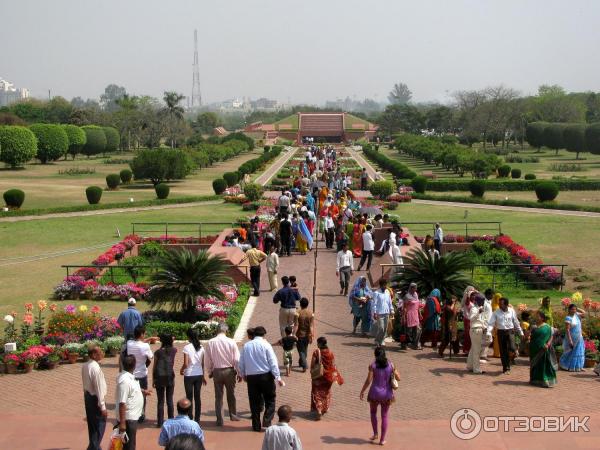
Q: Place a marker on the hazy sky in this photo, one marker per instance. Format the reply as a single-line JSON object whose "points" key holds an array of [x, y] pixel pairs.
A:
{"points": [[307, 50]]}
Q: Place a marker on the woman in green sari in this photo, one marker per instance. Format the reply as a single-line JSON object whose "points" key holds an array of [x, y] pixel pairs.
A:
{"points": [[543, 365]]}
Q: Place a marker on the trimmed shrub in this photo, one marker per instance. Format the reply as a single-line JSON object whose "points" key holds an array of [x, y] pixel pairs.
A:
{"points": [[574, 138], [14, 198], [17, 145], [95, 140], [515, 173], [113, 180], [392, 205], [534, 134], [93, 194], [504, 171], [219, 185], [126, 175], [530, 176], [161, 164], [381, 189], [53, 141], [253, 191], [592, 138], [162, 190], [419, 184], [266, 148], [112, 139], [553, 135], [231, 178], [77, 139], [546, 191], [477, 188]]}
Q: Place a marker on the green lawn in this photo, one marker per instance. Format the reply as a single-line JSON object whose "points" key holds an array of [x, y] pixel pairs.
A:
{"points": [[583, 198], [30, 281], [44, 187]]}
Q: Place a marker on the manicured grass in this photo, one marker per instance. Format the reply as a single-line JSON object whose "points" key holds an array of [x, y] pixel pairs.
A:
{"points": [[555, 239], [30, 281], [583, 198], [45, 188]]}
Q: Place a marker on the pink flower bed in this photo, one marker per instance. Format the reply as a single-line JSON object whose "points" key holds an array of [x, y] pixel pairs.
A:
{"points": [[526, 257], [215, 308]]}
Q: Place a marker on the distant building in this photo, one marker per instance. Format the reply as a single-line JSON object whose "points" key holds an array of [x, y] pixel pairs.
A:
{"points": [[220, 131], [9, 94]]}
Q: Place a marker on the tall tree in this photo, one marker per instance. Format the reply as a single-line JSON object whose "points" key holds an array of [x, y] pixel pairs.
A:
{"points": [[400, 94], [553, 104], [174, 112]]}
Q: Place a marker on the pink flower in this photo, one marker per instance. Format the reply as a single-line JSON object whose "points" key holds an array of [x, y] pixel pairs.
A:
{"points": [[566, 301], [587, 303], [28, 306], [28, 319], [95, 309]]}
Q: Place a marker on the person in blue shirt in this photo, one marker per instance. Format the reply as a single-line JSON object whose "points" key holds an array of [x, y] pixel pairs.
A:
{"points": [[130, 319], [287, 298], [181, 424]]}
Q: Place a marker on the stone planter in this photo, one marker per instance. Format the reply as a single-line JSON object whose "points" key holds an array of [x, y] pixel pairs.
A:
{"points": [[72, 358], [51, 365], [589, 363], [11, 369], [110, 352], [27, 368]]}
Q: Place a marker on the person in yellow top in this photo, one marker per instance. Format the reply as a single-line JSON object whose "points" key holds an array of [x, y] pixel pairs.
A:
{"points": [[495, 305], [255, 257], [524, 344]]}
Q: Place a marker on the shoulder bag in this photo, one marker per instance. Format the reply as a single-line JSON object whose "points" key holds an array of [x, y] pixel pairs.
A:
{"points": [[393, 380], [317, 370]]}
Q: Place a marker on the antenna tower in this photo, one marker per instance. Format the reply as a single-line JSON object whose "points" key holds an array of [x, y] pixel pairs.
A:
{"points": [[196, 97]]}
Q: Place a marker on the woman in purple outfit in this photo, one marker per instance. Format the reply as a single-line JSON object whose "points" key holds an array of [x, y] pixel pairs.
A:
{"points": [[381, 393]]}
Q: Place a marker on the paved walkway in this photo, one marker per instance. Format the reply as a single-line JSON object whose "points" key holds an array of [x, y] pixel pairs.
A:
{"points": [[431, 390], [274, 168]]}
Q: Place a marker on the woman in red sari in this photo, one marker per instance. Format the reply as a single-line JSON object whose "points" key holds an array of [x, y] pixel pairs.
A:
{"points": [[357, 242], [320, 394]]}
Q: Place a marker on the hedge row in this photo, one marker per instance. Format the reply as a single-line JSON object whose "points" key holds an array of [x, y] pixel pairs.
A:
{"points": [[518, 203], [396, 168], [509, 185]]}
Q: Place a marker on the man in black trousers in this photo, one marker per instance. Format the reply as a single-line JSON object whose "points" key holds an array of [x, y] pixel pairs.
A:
{"points": [[259, 368], [94, 392], [285, 233]]}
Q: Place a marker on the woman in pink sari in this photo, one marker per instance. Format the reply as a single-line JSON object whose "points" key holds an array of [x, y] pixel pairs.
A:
{"points": [[357, 232]]}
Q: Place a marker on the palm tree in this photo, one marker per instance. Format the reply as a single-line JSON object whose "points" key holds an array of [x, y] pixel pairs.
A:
{"points": [[184, 276], [172, 110], [446, 273]]}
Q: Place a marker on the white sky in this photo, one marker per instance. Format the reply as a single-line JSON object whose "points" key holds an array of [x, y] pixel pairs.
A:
{"points": [[307, 51]]}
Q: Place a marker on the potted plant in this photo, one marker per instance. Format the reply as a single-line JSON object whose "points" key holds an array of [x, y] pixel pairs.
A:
{"points": [[12, 361], [112, 345], [28, 363], [72, 350], [591, 353]]}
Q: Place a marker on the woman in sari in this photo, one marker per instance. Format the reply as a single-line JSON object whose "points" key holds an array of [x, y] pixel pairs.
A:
{"points": [[303, 237], [547, 310], [322, 197], [542, 371], [431, 319], [360, 305], [465, 306], [350, 233], [449, 327], [357, 232], [573, 356], [495, 305], [320, 394]]}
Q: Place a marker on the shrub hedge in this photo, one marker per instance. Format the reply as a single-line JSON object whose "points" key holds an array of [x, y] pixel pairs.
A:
{"points": [[477, 188], [113, 139], [95, 140], [93, 194], [504, 171], [231, 178], [77, 139], [515, 174], [17, 145], [113, 180], [52, 141], [511, 185], [419, 184], [162, 190], [219, 185], [546, 191], [14, 198], [253, 191], [530, 176], [396, 168], [126, 175], [381, 189]]}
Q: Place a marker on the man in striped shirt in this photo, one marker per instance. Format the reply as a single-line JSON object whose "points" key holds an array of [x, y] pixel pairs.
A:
{"points": [[222, 360]]}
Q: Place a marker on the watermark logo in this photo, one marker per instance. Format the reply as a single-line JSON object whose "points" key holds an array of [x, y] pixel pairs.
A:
{"points": [[467, 424]]}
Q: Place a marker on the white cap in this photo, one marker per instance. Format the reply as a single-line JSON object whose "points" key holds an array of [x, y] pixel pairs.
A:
{"points": [[131, 301]]}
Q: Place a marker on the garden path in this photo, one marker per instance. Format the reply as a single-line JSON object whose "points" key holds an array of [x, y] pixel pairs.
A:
{"points": [[44, 410]]}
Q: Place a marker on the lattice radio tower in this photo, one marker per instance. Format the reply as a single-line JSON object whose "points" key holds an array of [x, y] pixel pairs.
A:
{"points": [[196, 97]]}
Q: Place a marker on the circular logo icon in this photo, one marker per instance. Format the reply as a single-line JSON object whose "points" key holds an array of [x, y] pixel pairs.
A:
{"points": [[465, 424]]}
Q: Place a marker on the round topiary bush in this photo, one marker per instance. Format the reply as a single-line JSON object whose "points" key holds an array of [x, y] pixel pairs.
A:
{"points": [[381, 189], [162, 190], [231, 178], [126, 175], [112, 139], [515, 173], [95, 140], [76, 137], [17, 145], [219, 185], [504, 171], [477, 188], [266, 148], [14, 198], [392, 205], [93, 194], [253, 191], [546, 191], [113, 180], [53, 141], [530, 176], [419, 184]]}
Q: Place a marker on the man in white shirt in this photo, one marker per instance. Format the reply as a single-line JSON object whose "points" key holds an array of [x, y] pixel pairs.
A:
{"points": [[142, 353], [329, 230], [368, 248], [272, 266], [259, 368], [344, 268], [382, 308], [284, 203], [476, 332], [281, 436], [438, 238], [222, 365], [94, 392], [130, 399], [505, 320]]}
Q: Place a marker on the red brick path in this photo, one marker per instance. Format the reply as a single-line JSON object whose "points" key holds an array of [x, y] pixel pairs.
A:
{"points": [[44, 410]]}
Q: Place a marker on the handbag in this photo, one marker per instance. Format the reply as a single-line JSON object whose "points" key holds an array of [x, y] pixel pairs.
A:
{"points": [[393, 380], [317, 370]]}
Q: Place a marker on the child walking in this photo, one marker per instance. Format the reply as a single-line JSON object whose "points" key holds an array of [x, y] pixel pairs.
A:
{"points": [[288, 342]]}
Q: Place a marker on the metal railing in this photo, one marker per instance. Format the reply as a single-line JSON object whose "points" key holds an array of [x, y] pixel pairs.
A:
{"points": [[462, 228], [200, 229], [505, 275]]}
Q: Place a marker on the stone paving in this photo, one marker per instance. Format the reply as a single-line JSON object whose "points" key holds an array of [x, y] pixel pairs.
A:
{"points": [[431, 389]]}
